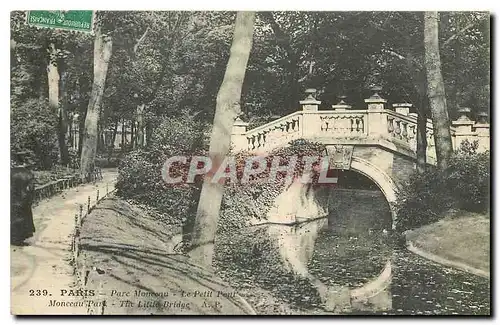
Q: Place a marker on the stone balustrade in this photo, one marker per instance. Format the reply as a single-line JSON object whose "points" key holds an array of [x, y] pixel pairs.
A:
{"points": [[270, 135], [342, 123]]}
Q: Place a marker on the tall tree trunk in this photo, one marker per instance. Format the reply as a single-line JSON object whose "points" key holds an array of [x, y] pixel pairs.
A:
{"points": [[140, 125], [421, 140], [436, 92], [226, 111], [456, 93], [63, 120], [102, 53], [124, 135], [100, 138], [132, 135], [149, 132], [113, 139], [53, 79], [421, 87]]}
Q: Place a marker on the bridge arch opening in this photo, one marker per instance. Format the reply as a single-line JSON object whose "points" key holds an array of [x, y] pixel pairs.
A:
{"points": [[359, 203]]}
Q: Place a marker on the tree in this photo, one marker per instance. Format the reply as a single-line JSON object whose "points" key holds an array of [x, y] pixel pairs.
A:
{"points": [[102, 53], [226, 111], [436, 91]]}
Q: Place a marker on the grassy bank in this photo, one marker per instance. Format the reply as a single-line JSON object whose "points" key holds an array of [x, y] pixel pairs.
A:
{"points": [[462, 237], [128, 258]]}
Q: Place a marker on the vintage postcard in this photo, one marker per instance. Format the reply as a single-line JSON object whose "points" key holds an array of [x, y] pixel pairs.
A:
{"points": [[250, 163]]}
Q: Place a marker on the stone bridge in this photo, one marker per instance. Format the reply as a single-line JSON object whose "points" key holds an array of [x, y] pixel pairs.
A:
{"points": [[378, 142]]}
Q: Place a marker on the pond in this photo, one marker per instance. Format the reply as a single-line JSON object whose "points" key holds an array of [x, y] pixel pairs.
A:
{"points": [[350, 251], [418, 286]]}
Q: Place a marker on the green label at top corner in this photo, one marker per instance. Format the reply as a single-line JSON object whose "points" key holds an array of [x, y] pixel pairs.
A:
{"points": [[77, 20]]}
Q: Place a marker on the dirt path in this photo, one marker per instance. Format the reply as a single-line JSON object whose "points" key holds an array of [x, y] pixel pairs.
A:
{"points": [[134, 270], [41, 270]]}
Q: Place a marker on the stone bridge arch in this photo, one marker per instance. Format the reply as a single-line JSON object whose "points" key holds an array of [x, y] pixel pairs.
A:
{"points": [[383, 181]]}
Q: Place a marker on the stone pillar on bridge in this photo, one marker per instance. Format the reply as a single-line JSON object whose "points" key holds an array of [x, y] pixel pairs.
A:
{"points": [[482, 128], [342, 105], [415, 115], [402, 108], [463, 127], [238, 134], [377, 119], [311, 122]]}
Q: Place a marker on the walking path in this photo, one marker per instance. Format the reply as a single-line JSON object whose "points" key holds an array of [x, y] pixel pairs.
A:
{"points": [[40, 271]]}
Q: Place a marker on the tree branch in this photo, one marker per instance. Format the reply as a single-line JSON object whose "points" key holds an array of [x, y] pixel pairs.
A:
{"points": [[463, 30], [281, 38], [136, 46]]}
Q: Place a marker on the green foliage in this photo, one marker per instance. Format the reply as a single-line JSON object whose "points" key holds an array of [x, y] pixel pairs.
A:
{"points": [[140, 175], [33, 128], [250, 256], [249, 252], [464, 186]]}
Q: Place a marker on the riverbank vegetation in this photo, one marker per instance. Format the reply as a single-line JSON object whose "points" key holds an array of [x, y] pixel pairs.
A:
{"points": [[464, 185], [459, 237]]}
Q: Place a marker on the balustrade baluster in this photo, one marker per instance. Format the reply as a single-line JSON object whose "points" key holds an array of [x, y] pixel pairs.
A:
{"points": [[250, 143], [390, 125], [324, 124], [296, 125], [397, 128], [344, 125], [404, 132], [359, 128]]}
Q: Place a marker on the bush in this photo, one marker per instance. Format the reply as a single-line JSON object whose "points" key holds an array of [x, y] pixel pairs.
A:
{"points": [[249, 254], [140, 176], [464, 185], [34, 128]]}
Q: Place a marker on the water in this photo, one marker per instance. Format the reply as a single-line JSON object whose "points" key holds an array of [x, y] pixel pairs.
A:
{"points": [[418, 286]]}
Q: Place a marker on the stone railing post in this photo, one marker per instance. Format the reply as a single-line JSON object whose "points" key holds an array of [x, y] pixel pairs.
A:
{"points": [[377, 119], [482, 128], [463, 127], [238, 135], [402, 108], [311, 123], [342, 105]]}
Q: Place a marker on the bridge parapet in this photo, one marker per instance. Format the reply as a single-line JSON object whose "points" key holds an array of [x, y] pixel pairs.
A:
{"points": [[343, 124]]}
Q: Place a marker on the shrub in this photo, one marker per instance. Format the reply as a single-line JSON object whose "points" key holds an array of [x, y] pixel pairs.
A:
{"points": [[464, 185], [248, 253], [140, 177], [250, 256], [33, 128]]}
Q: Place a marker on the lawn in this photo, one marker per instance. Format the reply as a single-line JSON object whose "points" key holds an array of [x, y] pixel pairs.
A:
{"points": [[462, 237]]}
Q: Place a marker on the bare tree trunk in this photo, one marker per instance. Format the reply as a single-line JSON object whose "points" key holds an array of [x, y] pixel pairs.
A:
{"points": [[63, 120], [113, 139], [140, 125], [132, 135], [436, 92], [53, 78], [227, 109], [102, 53], [149, 132], [421, 141], [124, 135]]}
